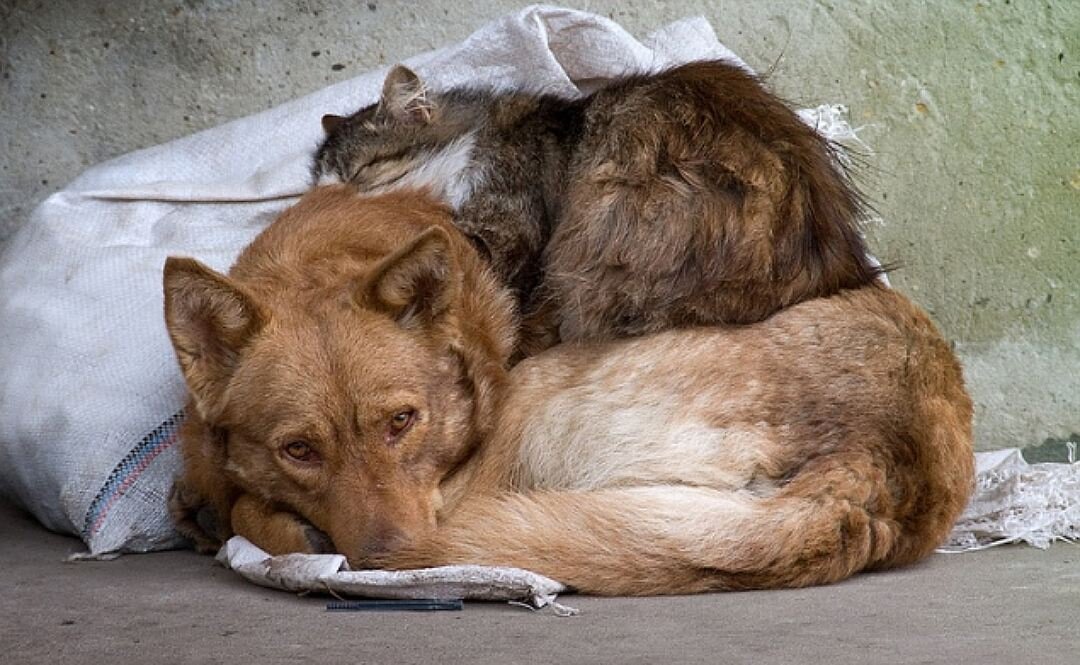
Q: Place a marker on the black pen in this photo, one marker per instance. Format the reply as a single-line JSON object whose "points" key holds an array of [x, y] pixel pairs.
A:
{"points": [[396, 605]]}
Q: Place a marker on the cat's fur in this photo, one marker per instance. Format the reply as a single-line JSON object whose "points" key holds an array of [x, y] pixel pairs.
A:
{"points": [[686, 197]]}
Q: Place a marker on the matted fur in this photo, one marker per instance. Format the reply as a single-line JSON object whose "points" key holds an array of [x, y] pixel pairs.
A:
{"points": [[833, 437], [686, 197]]}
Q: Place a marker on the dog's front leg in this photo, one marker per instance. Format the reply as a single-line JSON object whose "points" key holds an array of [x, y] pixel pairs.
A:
{"points": [[275, 530]]}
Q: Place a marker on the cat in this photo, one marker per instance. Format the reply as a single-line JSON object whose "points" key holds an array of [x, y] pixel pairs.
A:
{"points": [[686, 197]]}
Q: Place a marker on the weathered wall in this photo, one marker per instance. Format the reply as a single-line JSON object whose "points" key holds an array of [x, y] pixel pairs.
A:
{"points": [[972, 110]]}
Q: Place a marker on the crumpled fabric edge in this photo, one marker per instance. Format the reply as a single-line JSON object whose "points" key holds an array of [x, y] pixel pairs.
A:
{"points": [[1018, 502], [329, 573]]}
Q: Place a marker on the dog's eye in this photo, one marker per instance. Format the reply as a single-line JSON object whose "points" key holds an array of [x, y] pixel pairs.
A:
{"points": [[401, 421], [301, 451]]}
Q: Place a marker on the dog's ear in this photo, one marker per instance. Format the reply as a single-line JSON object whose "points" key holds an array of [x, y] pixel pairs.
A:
{"points": [[210, 321], [417, 284], [405, 97]]}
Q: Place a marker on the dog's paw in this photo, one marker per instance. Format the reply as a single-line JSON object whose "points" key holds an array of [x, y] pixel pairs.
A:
{"points": [[276, 530]]}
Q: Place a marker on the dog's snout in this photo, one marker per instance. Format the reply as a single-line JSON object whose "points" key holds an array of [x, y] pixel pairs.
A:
{"points": [[376, 543], [382, 523]]}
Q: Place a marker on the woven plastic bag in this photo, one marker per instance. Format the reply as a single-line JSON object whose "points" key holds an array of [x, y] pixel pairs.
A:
{"points": [[90, 395]]}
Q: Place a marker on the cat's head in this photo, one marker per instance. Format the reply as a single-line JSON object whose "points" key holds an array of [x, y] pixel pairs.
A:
{"points": [[409, 138]]}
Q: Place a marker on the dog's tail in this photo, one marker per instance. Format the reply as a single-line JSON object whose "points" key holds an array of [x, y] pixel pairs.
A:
{"points": [[825, 524]]}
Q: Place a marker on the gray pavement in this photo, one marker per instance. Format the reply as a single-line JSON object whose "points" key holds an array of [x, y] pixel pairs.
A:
{"points": [[1004, 605]]}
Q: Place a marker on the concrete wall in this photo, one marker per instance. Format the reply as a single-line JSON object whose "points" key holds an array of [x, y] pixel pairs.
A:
{"points": [[972, 110]]}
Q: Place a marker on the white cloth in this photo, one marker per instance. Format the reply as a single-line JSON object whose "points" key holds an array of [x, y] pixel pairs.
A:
{"points": [[329, 573]]}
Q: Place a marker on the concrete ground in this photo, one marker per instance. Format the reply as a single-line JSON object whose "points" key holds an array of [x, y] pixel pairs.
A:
{"points": [[1004, 605]]}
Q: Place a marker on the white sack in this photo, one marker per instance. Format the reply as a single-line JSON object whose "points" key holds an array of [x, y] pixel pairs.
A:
{"points": [[90, 394]]}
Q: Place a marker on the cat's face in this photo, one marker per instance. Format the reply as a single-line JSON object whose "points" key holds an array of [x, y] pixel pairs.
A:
{"points": [[403, 141]]}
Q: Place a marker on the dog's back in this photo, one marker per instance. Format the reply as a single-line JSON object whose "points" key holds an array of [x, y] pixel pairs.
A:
{"points": [[832, 438]]}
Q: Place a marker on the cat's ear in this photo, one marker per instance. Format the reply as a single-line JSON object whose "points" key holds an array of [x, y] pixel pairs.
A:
{"points": [[210, 321], [331, 122], [417, 284], [405, 97]]}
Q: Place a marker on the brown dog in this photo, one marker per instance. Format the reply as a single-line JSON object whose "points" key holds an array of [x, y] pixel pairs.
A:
{"points": [[346, 381], [369, 323]]}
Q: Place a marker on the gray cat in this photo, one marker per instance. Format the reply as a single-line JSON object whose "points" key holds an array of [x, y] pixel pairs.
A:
{"points": [[687, 197]]}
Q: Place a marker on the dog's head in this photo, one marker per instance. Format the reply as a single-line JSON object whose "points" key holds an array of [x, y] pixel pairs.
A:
{"points": [[348, 408]]}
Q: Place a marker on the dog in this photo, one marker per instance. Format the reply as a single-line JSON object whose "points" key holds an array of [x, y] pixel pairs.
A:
{"points": [[350, 392], [348, 318]]}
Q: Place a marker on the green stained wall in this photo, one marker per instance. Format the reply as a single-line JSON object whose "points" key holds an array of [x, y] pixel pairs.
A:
{"points": [[972, 110]]}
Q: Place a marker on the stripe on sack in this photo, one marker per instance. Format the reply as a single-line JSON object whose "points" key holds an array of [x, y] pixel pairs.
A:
{"points": [[128, 471]]}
